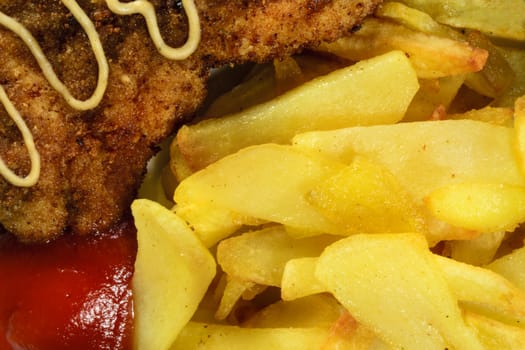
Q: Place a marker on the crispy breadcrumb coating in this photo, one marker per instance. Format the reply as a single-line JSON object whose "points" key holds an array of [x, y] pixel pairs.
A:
{"points": [[93, 162]]}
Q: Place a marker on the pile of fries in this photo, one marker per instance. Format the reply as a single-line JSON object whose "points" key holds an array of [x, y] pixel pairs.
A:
{"points": [[368, 195]]}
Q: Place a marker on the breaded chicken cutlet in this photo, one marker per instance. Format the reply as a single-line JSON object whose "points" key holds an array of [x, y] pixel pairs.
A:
{"points": [[93, 161]]}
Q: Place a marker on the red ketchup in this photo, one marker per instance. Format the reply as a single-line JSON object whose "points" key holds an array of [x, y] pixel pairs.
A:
{"points": [[73, 293]]}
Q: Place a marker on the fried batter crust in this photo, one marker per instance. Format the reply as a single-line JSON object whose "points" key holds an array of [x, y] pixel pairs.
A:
{"points": [[93, 162]]}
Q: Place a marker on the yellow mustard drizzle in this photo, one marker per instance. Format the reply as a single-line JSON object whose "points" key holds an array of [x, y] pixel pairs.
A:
{"points": [[146, 9], [45, 65]]}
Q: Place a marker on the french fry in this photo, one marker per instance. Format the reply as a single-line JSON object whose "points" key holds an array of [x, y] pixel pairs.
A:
{"points": [[434, 154], [510, 267], [320, 310], [477, 251], [481, 207], [223, 337], [328, 102], [496, 335], [496, 74], [419, 144], [366, 197], [210, 223], [347, 333], [500, 18], [299, 279], [268, 250], [495, 115], [432, 94], [432, 56], [275, 189], [415, 19], [233, 291], [178, 165], [391, 284], [172, 273], [484, 292]]}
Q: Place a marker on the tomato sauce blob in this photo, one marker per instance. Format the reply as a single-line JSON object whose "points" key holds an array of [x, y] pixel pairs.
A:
{"points": [[72, 293]]}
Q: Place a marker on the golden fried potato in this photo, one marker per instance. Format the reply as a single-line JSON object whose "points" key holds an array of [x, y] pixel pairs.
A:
{"points": [[499, 18], [268, 250], [432, 95], [173, 270], [484, 292], [432, 56], [481, 207], [434, 155], [510, 267], [495, 115], [496, 74], [204, 336], [373, 196], [328, 102], [365, 197], [391, 284], [233, 291], [320, 310], [477, 251], [266, 182], [496, 335], [299, 279]]}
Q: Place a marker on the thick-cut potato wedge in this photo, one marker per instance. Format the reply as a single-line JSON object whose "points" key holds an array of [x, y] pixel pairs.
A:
{"points": [[499, 18], [366, 197], [433, 94], [268, 250], [481, 207], [320, 310], [494, 115], [267, 182], [496, 335], [210, 222], [496, 74], [233, 291], [432, 56], [477, 251], [484, 291], [204, 336], [348, 334], [172, 273], [336, 100], [299, 279], [425, 156], [510, 266], [415, 19], [178, 165], [391, 284]]}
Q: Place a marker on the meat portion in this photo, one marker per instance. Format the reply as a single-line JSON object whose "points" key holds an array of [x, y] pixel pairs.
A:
{"points": [[93, 161]]}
